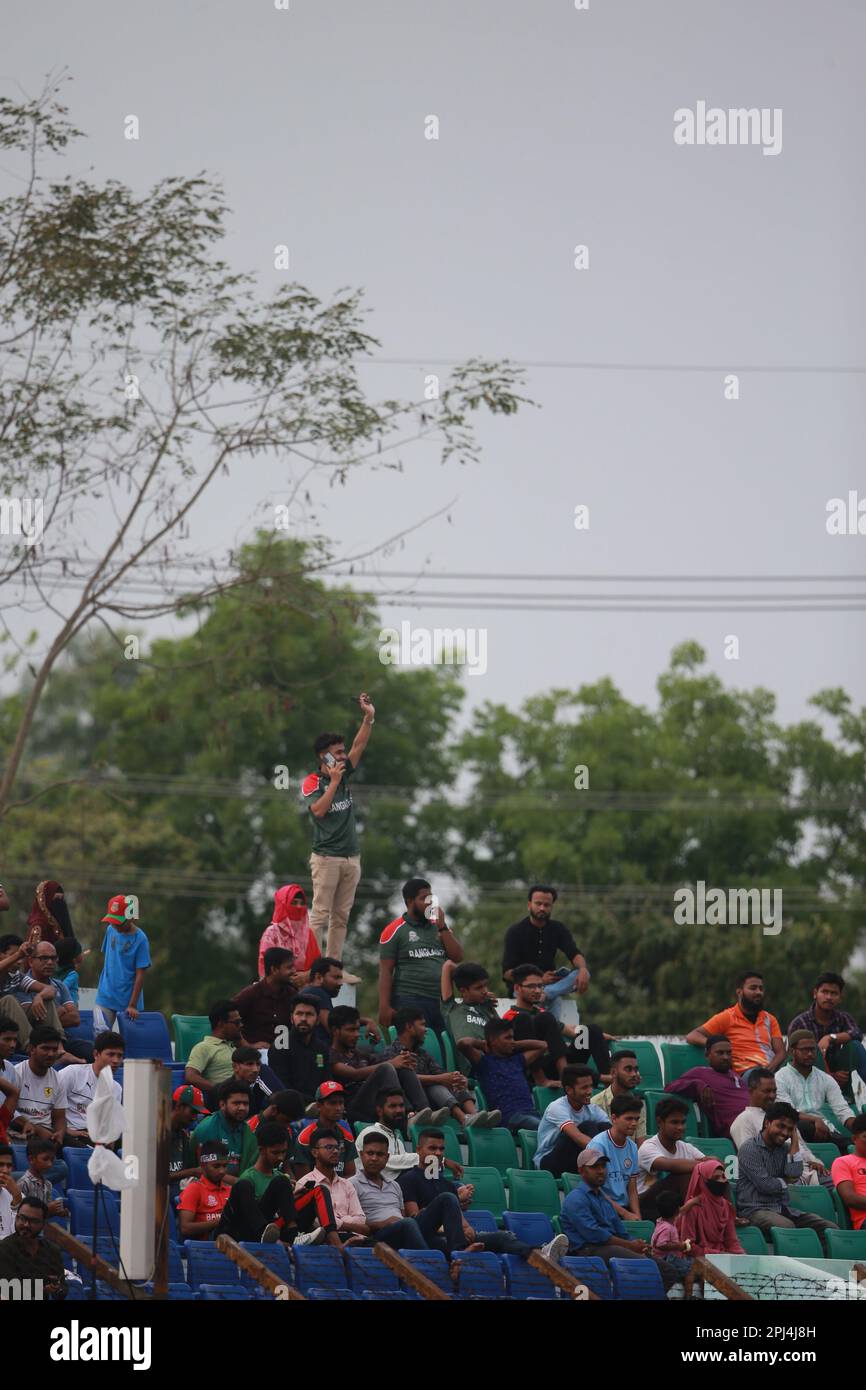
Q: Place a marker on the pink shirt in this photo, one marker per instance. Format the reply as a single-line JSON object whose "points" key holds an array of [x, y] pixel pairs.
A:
{"points": [[850, 1168], [665, 1233], [344, 1198]]}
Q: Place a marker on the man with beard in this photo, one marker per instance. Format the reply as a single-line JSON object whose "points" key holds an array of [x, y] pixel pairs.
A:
{"points": [[300, 1059], [536, 939], [755, 1035]]}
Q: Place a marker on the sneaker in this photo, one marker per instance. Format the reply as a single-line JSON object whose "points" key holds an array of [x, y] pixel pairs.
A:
{"points": [[271, 1234], [438, 1117], [555, 1249], [676, 1293], [423, 1117], [309, 1237], [477, 1117], [493, 1118]]}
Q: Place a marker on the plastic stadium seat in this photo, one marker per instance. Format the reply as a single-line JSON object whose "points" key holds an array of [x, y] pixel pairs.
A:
{"points": [[681, 1057], [386, 1295], [19, 1157], [106, 1294], [491, 1148], [639, 1230], [696, 1122], [327, 1294], [177, 1290], [825, 1153], [452, 1144], [188, 1030], [368, 1274], [721, 1149], [480, 1276], [533, 1190], [527, 1140], [752, 1240], [236, 1292], [83, 1031], [275, 1257], [847, 1245], [480, 1099], [636, 1279], [433, 1264], [590, 1270], [80, 1205], [532, 1227], [430, 1044], [797, 1244], [145, 1036], [207, 1265], [814, 1199], [570, 1181], [449, 1053], [543, 1095], [76, 1161], [489, 1189], [647, 1060], [484, 1222], [318, 1268], [523, 1281]]}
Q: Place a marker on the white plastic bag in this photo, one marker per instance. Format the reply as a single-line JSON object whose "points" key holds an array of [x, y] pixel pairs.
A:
{"points": [[105, 1125]]}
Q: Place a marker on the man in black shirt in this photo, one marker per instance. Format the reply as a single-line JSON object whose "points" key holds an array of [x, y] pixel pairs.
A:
{"points": [[302, 1064], [536, 939], [28, 1255], [532, 1021]]}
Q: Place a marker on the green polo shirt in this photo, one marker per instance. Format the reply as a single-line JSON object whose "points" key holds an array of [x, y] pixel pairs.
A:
{"points": [[242, 1145], [260, 1181], [212, 1058], [416, 947], [466, 1021], [334, 833]]}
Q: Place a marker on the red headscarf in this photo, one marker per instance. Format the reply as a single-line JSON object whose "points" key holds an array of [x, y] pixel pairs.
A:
{"points": [[49, 915], [290, 928], [710, 1226]]}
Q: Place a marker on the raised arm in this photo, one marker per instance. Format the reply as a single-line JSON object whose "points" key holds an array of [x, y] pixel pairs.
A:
{"points": [[362, 737]]}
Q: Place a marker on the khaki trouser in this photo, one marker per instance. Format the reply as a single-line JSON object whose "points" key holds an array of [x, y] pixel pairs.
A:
{"points": [[12, 1010], [334, 884]]}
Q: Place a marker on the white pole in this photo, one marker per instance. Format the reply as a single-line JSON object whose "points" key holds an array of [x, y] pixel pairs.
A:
{"points": [[141, 1087]]}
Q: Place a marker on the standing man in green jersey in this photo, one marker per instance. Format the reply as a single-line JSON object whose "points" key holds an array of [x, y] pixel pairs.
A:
{"points": [[412, 950], [335, 862]]}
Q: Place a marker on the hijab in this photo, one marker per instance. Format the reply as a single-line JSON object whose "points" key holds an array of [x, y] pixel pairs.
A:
{"points": [[290, 925], [49, 918], [709, 1226]]}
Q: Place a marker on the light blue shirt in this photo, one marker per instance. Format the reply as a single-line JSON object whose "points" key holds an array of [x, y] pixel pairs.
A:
{"points": [[560, 1113], [124, 952], [622, 1164]]}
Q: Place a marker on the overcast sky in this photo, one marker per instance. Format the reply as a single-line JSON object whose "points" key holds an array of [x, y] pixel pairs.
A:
{"points": [[555, 129]]}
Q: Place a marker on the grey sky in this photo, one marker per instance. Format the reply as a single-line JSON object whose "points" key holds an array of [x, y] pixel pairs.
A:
{"points": [[555, 129]]}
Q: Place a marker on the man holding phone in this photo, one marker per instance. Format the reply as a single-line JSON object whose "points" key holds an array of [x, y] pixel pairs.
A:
{"points": [[335, 862]]}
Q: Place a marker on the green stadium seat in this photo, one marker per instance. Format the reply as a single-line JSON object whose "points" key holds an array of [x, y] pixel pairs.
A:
{"points": [[490, 1148], [449, 1053], [543, 1095], [717, 1148], [527, 1140], [826, 1153], [681, 1057], [533, 1191], [752, 1240], [696, 1123], [847, 1245], [814, 1199], [188, 1030], [798, 1245], [647, 1060], [480, 1098], [430, 1044], [570, 1181], [489, 1189], [639, 1230], [452, 1144]]}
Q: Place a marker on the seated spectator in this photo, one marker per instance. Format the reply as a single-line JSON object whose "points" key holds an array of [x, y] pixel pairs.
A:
{"points": [[467, 1017], [247, 1066], [228, 1125], [35, 1182], [412, 950], [300, 1058], [500, 1065], [210, 1062], [285, 1108], [290, 930], [706, 1219], [266, 1004], [330, 1109], [80, 1081], [750, 1122], [390, 1121], [439, 1206], [326, 981], [22, 1003], [849, 1175], [362, 1075], [262, 1206], [41, 1109], [591, 1224], [70, 958], [348, 1214], [802, 1085], [766, 1170], [50, 999], [531, 1020], [618, 1146], [28, 1255], [755, 1035], [666, 1161], [8, 1075], [10, 1193], [568, 1124], [834, 1030], [187, 1107], [201, 1202], [624, 1077], [716, 1088], [381, 1197], [666, 1239], [445, 1090]]}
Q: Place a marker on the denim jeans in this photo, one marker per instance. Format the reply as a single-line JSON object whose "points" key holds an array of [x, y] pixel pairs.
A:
{"points": [[553, 994], [525, 1121]]}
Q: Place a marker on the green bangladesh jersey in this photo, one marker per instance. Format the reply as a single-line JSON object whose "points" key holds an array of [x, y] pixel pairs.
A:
{"points": [[334, 833], [242, 1146], [417, 949], [466, 1021]]}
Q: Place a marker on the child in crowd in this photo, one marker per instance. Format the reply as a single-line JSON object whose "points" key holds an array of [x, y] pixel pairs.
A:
{"points": [[35, 1182], [666, 1240], [127, 956], [70, 955]]}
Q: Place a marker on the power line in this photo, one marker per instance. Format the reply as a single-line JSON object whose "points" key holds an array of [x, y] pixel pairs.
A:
{"points": [[781, 369]]}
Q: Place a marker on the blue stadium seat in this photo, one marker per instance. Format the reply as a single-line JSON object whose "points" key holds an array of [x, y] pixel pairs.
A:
{"points": [[236, 1292], [145, 1036], [83, 1031], [19, 1157], [533, 1227], [636, 1279], [76, 1161], [481, 1275], [177, 1290], [319, 1268], [106, 1294], [207, 1265], [383, 1295], [80, 1204], [432, 1263], [590, 1270], [77, 1292], [481, 1220], [522, 1281], [367, 1273], [275, 1257], [331, 1295]]}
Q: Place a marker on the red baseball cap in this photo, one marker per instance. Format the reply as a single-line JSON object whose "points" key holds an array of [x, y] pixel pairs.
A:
{"points": [[116, 910], [329, 1088], [190, 1095]]}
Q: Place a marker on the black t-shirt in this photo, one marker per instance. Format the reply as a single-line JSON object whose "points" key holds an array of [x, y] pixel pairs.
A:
{"points": [[537, 1023], [416, 1188], [526, 945], [301, 1067]]}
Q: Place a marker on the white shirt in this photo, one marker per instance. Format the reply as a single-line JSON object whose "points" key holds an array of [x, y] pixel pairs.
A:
{"points": [[812, 1092], [80, 1081], [748, 1125], [399, 1157], [7, 1215], [39, 1094], [653, 1148], [10, 1074]]}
